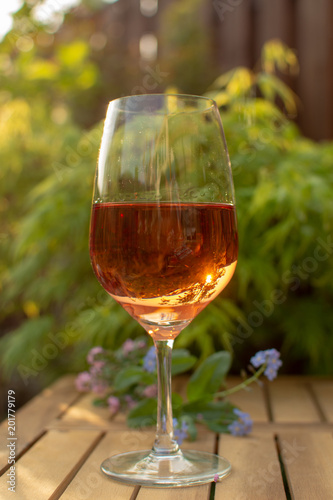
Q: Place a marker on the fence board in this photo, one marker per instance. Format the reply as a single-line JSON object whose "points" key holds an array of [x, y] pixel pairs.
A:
{"points": [[273, 19], [233, 34], [314, 45]]}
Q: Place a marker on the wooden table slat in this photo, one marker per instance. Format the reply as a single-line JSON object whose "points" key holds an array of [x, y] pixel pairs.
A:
{"points": [[32, 418], [91, 483], [204, 442], [308, 460], [63, 439], [323, 390], [255, 470], [251, 400], [50, 463], [291, 401], [84, 413]]}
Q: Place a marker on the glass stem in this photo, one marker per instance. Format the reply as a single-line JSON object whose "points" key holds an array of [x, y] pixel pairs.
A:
{"points": [[165, 443]]}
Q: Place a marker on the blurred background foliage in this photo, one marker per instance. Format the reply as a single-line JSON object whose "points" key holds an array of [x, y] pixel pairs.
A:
{"points": [[56, 80]]}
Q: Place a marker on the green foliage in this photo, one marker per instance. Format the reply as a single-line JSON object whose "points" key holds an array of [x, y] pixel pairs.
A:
{"points": [[207, 379], [283, 183], [282, 292], [126, 377]]}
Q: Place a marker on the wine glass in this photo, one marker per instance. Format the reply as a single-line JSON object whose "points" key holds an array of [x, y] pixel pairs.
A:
{"points": [[163, 244]]}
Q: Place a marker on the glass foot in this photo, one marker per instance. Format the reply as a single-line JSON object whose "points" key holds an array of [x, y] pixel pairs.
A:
{"points": [[184, 468]]}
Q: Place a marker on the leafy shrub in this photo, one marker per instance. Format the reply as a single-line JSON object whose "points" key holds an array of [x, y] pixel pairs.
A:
{"points": [[53, 308]]}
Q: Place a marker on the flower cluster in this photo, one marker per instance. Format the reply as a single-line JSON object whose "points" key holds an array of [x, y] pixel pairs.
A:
{"points": [[126, 380], [270, 358], [104, 366], [242, 425], [93, 380]]}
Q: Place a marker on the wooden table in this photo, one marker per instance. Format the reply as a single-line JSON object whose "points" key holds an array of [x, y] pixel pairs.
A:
{"points": [[62, 439]]}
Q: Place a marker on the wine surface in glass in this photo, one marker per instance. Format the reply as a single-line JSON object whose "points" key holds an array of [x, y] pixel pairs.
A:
{"points": [[163, 262]]}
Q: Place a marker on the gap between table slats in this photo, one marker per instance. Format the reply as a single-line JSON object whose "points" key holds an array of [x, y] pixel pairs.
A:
{"points": [[50, 464], [307, 460], [32, 419], [323, 392], [291, 402], [89, 481], [256, 472]]}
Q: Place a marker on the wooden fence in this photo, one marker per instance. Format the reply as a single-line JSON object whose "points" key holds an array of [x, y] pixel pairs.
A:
{"points": [[305, 25], [238, 29]]}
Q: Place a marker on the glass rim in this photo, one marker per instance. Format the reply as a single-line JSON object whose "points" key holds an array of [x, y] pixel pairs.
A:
{"points": [[211, 104]]}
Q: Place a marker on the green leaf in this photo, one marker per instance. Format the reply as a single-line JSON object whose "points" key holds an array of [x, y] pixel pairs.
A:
{"points": [[99, 402], [208, 378], [216, 426], [271, 86], [177, 403], [182, 361], [209, 410], [144, 414], [130, 376]]}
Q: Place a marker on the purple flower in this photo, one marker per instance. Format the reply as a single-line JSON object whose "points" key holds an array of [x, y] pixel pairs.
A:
{"points": [[113, 404], [141, 344], [130, 402], [83, 382], [179, 431], [96, 368], [128, 346], [272, 359], [149, 361], [99, 386], [150, 391], [92, 353], [216, 478], [242, 425], [271, 370]]}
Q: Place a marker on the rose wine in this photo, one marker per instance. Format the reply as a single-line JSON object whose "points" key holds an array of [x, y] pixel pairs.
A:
{"points": [[163, 262]]}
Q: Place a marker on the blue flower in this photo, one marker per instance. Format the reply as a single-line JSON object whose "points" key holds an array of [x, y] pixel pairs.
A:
{"points": [[149, 361], [242, 425], [258, 359], [179, 431], [270, 357]]}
